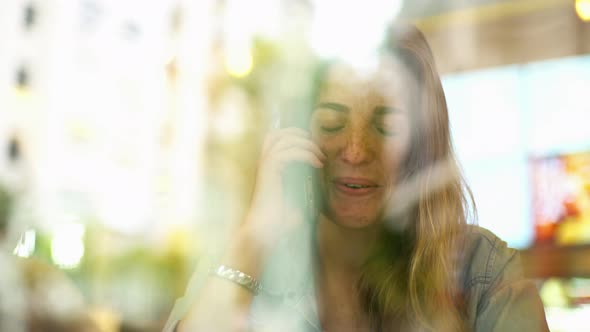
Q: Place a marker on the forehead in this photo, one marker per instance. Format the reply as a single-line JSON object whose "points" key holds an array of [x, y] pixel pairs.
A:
{"points": [[389, 81]]}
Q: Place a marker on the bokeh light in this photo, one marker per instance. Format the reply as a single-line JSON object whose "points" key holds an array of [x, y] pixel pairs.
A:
{"points": [[239, 61], [67, 245], [583, 9]]}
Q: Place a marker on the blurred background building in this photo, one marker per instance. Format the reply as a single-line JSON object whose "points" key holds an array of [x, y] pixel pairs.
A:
{"points": [[129, 133]]}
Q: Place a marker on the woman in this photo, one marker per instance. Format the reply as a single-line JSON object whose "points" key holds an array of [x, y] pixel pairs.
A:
{"points": [[389, 249]]}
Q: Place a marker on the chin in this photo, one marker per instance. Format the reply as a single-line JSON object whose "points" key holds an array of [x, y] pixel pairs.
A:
{"points": [[349, 218], [352, 212]]}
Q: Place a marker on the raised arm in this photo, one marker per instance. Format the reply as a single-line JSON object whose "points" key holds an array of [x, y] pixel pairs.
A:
{"points": [[217, 303]]}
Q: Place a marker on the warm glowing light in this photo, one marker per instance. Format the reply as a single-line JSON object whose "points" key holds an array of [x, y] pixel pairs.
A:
{"points": [[238, 34], [67, 245], [26, 244], [238, 62], [583, 9], [360, 39]]}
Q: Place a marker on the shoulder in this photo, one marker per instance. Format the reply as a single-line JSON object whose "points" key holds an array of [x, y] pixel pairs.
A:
{"points": [[487, 258], [499, 296]]}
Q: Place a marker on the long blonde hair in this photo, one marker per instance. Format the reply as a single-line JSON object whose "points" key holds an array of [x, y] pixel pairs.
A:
{"points": [[413, 281]]}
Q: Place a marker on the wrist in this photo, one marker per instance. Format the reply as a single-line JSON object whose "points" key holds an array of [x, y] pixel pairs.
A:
{"points": [[245, 252]]}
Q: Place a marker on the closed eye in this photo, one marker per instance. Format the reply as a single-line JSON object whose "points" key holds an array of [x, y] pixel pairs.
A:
{"points": [[331, 129], [386, 119], [386, 132]]}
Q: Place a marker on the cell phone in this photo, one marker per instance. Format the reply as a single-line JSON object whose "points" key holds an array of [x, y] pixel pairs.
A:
{"points": [[300, 179]]}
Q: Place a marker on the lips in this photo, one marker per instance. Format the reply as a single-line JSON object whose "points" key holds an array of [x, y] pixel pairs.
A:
{"points": [[353, 186]]}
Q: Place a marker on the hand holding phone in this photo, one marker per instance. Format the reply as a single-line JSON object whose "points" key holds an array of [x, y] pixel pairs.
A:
{"points": [[282, 187]]}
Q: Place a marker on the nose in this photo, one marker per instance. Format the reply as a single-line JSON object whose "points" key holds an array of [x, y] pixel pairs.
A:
{"points": [[357, 149]]}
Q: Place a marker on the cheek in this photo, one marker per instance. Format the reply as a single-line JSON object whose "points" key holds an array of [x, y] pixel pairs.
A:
{"points": [[328, 145], [394, 154]]}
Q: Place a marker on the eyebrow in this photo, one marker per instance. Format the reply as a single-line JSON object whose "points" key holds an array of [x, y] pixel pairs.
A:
{"points": [[383, 110], [333, 106]]}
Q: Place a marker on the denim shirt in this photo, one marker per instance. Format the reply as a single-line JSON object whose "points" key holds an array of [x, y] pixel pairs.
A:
{"points": [[499, 298]]}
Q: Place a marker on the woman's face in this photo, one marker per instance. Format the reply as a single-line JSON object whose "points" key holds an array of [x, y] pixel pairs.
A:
{"points": [[361, 122]]}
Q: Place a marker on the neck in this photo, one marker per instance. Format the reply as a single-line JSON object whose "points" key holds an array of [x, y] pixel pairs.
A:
{"points": [[343, 249], [342, 252]]}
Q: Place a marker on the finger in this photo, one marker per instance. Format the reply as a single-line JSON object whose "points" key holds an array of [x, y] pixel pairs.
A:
{"points": [[298, 154], [297, 142], [275, 135]]}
